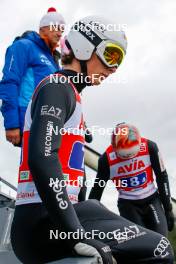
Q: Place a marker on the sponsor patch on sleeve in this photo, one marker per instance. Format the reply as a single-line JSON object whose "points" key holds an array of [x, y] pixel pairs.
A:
{"points": [[24, 175]]}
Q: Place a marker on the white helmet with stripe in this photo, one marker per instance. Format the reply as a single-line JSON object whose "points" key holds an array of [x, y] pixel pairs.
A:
{"points": [[91, 34]]}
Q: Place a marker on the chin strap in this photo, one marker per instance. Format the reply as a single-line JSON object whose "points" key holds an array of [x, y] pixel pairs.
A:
{"points": [[83, 64], [83, 67]]}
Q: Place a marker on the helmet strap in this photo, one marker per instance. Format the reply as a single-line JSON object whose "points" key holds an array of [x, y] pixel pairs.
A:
{"points": [[83, 65]]}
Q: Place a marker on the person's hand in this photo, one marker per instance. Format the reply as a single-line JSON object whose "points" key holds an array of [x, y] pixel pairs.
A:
{"points": [[170, 220], [88, 134], [95, 248], [13, 136]]}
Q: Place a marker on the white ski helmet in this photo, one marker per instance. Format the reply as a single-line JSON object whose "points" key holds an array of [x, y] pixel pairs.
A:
{"points": [[97, 34]]}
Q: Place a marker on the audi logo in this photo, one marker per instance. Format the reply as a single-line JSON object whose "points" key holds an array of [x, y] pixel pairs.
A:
{"points": [[161, 247]]}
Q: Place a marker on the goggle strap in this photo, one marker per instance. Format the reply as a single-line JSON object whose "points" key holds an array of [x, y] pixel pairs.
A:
{"points": [[91, 35]]}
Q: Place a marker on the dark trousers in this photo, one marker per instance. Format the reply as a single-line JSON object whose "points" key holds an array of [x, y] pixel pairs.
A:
{"points": [[148, 213], [133, 244]]}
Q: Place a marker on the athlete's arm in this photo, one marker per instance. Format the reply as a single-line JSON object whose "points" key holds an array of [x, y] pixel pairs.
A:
{"points": [[101, 179], [162, 182], [82, 193], [161, 175], [51, 109]]}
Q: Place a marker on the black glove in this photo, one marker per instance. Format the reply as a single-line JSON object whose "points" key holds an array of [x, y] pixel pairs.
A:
{"points": [[170, 220], [95, 248], [88, 134]]}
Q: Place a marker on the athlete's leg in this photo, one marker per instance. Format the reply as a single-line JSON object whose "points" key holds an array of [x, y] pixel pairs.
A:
{"points": [[31, 239], [130, 211], [131, 244], [155, 217]]}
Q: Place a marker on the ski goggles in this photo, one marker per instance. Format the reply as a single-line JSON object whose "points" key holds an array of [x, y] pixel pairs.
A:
{"points": [[111, 54]]}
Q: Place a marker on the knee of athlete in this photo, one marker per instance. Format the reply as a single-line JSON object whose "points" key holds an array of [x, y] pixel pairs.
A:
{"points": [[163, 251], [171, 256]]}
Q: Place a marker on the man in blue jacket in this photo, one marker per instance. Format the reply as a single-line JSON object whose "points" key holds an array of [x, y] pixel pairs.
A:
{"points": [[28, 60]]}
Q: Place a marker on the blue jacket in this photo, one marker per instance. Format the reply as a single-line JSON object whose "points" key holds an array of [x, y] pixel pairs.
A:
{"points": [[28, 60]]}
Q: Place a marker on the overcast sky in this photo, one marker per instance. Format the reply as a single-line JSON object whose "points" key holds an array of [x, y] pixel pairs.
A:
{"points": [[143, 89]]}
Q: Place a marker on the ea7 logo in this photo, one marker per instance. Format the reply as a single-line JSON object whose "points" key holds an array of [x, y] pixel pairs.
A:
{"points": [[127, 233], [51, 111], [160, 250]]}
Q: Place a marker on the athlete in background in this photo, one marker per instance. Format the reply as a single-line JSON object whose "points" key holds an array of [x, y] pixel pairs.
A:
{"points": [[129, 162]]}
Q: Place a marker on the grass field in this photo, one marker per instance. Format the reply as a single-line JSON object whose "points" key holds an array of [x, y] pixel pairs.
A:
{"points": [[172, 238]]}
